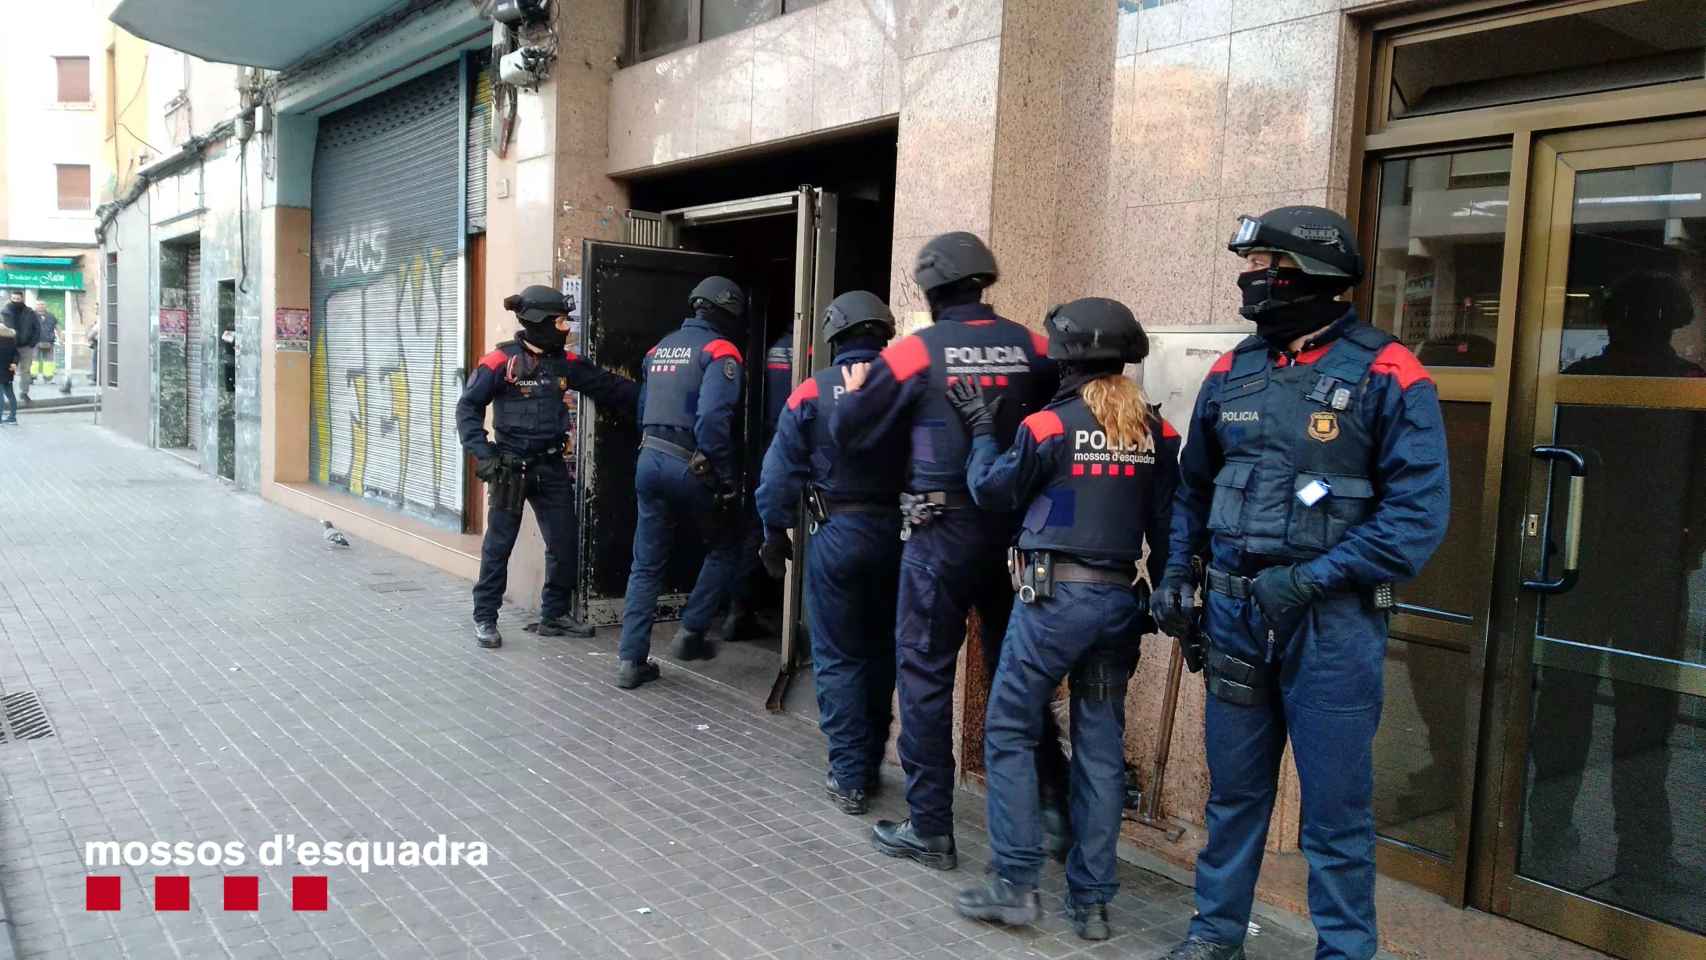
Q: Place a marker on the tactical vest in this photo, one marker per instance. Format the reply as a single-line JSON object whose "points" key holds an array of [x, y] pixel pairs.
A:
{"points": [[1001, 354], [528, 411], [778, 378], [675, 368], [1097, 503], [1299, 447], [876, 476]]}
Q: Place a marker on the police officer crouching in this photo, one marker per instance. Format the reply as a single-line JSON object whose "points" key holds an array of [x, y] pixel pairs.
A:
{"points": [[526, 382], [1094, 474], [687, 474], [953, 558], [853, 555], [1314, 477]]}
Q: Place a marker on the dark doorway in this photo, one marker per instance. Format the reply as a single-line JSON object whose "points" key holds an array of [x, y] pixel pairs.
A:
{"points": [[227, 385]]}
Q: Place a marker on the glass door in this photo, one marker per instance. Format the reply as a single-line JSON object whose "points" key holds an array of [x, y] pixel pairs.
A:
{"points": [[1602, 836]]}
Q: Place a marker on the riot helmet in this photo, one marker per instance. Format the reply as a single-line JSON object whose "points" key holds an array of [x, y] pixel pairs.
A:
{"points": [[1095, 328], [538, 308], [855, 310], [719, 292], [1321, 241], [952, 258]]}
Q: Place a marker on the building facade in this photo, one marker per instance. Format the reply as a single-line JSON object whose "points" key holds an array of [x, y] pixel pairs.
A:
{"points": [[1533, 226]]}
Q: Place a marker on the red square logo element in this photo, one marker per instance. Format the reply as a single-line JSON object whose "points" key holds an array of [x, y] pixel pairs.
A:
{"points": [[242, 893], [1001, 380], [987, 381], [101, 893], [1078, 469], [171, 893], [953, 380], [307, 893], [1095, 469], [1130, 470]]}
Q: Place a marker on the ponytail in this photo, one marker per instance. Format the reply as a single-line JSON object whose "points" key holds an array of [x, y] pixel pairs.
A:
{"points": [[1120, 407]]}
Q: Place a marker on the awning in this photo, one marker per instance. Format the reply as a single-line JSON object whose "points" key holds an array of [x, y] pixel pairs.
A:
{"points": [[273, 35]]}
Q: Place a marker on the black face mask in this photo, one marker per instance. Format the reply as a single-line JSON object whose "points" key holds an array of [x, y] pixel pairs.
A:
{"points": [[1287, 303], [545, 335]]}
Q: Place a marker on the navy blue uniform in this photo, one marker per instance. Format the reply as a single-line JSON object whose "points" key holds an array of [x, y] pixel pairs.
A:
{"points": [[958, 560], [526, 391], [1357, 412], [852, 564], [1087, 504], [689, 402]]}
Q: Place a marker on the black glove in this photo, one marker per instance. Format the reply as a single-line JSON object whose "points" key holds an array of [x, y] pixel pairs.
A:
{"points": [[725, 498], [775, 553], [1283, 594], [1173, 604], [486, 468], [978, 414]]}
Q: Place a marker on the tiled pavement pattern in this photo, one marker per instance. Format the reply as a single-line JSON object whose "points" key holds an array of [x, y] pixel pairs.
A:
{"points": [[215, 671]]}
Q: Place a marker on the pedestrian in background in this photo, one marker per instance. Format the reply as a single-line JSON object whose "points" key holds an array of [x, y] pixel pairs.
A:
{"points": [[8, 367], [46, 363], [94, 353], [22, 320]]}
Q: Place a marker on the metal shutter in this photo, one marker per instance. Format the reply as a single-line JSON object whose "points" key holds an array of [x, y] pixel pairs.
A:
{"points": [[193, 347], [479, 138], [386, 294]]}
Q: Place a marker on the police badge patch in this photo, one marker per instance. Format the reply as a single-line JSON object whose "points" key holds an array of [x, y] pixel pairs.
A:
{"points": [[730, 368], [562, 383], [1324, 426]]}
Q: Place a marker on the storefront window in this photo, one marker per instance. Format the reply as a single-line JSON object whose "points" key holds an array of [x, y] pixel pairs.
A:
{"points": [[727, 16], [1538, 57], [660, 26], [1439, 254]]}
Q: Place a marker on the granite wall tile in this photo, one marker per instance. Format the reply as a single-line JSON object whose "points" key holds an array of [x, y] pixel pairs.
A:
{"points": [[853, 43], [1178, 123], [929, 26], [1249, 14], [783, 76], [1183, 21], [947, 134], [1167, 252], [1279, 119], [723, 93]]}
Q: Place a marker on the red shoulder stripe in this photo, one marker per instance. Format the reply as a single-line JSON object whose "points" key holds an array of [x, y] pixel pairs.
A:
{"points": [[1044, 424], [906, 357], [1039, 343], [494, 360], [1397, 362], [1223, 365], [802, 393], [1167, 431], [720, 349], [571, 356]]}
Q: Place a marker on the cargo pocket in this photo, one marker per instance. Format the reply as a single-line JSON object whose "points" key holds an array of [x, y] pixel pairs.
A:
{"points": [[1321, 526], [1226, 513]]}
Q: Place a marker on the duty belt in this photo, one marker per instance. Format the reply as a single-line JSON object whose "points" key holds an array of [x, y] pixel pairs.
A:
{"points": [[1231, 584], [1035, 572], [948, 499], [665, 447]]}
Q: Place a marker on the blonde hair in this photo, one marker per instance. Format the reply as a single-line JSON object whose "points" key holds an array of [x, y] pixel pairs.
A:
{"points": [[1121, 408]]}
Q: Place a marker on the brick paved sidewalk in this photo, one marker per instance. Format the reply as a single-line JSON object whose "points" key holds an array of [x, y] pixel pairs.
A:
{"points": [[215, 672]]}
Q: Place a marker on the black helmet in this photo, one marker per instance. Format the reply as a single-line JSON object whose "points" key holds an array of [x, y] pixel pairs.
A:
{"points": [[1095, 328], [952, 257], [853, 309], [537, 304], [1321, 241], [719, 292]]}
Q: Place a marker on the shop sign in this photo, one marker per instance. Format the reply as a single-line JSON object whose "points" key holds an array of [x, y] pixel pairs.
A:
{"points": [[16, 279]]}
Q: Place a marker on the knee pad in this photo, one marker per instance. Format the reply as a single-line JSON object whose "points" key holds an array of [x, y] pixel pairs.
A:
{"points": [[1102, 675]]}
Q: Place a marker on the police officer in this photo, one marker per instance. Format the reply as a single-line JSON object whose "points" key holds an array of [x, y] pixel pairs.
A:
{"points": [[526, 382], [778, 384], [1314, 477], [853, 555], [954, 555], [1093, 474], [687, 472]]}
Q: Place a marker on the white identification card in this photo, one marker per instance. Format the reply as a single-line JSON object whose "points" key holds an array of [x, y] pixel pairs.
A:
{"points": [[1312, 493]]}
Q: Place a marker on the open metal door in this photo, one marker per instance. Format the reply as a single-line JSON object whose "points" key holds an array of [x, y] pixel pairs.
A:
{"points": [[814, 287], [634, 296]]}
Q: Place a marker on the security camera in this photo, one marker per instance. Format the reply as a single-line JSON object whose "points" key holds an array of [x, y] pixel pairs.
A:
{"points": [[515, 12], [523, 68]]}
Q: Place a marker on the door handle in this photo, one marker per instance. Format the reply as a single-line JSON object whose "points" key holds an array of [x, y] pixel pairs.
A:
{"points": [[1572, 521]]}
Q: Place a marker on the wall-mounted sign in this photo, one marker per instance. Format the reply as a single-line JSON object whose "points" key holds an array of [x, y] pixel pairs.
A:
{"points": [[174, 323], [41, 279], [290, 330]]}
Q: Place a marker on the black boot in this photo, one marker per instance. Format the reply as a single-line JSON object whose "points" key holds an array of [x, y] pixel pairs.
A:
{"points": [[736, 626], [691, 645], [559, 626], [1090, 921], [630, 674], [998, 900], [900, 840], [1195, 949], [487, 635], [851, 801]]}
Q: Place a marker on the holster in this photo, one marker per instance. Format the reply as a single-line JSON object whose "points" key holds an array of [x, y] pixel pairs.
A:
{"points": [[817, 512], [1033, 574], [916, 510], [508, 490], [1104, 673], [1238, 681], [1194, 644]]}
